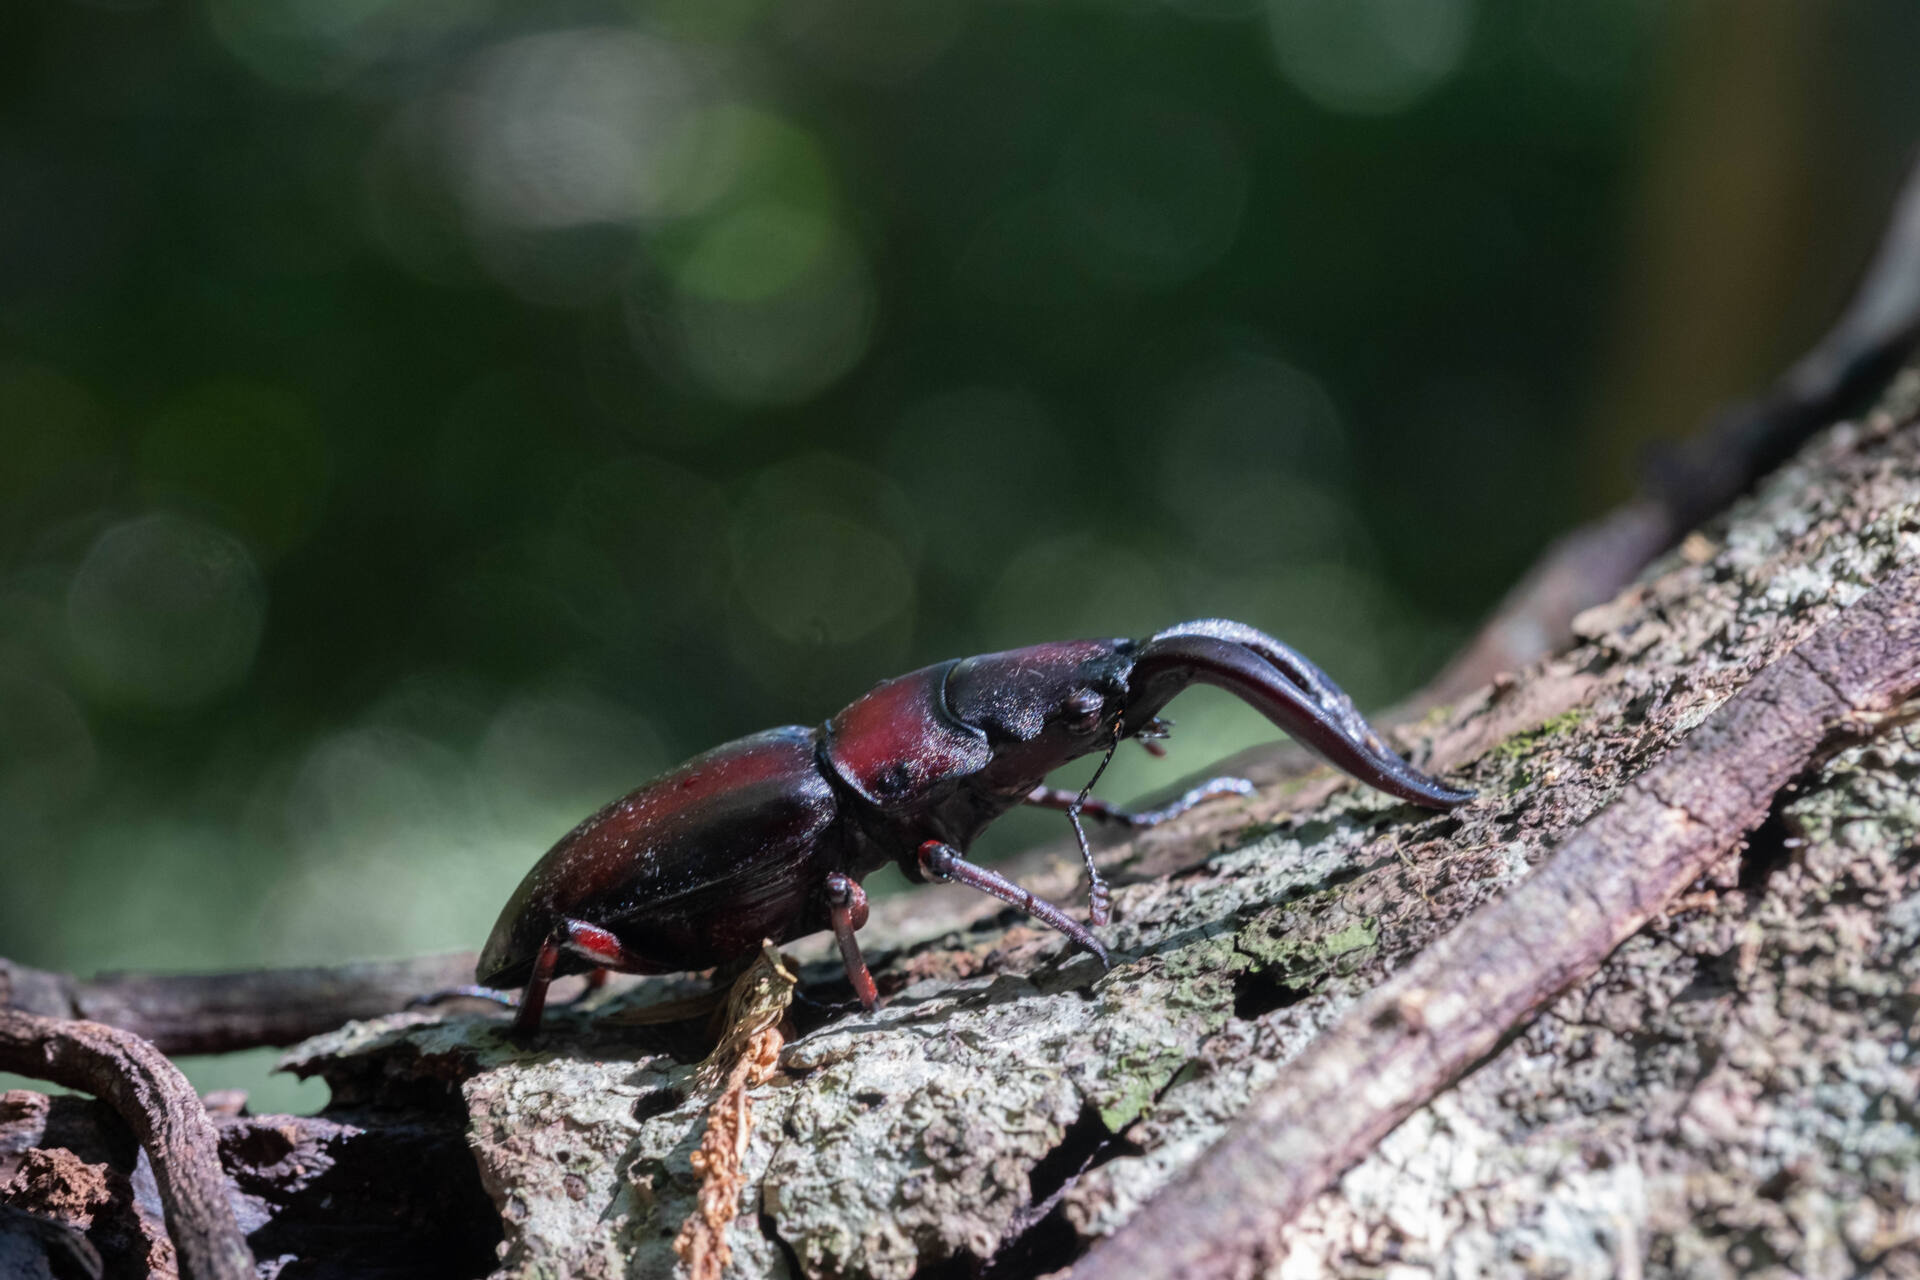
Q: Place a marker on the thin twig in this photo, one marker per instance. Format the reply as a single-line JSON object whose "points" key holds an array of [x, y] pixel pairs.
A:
{"points": [[221, 1012], [1461, 998], [165, 1114]]}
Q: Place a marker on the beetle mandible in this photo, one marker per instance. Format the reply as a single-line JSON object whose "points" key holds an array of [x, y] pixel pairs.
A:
{"points": [[769, 836]]}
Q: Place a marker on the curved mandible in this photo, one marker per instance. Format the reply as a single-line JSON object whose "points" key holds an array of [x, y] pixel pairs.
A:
{"points": [[1291, 692]]}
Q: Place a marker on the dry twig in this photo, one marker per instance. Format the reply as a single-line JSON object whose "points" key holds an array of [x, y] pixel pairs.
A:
{"points": [[165, 1114], [221, 1012], [1453, 1006]]}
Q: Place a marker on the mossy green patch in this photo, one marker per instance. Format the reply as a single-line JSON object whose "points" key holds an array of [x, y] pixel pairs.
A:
{"points": [[1304, 943], [1521, 746], [1178, 998], [1517, 745]]}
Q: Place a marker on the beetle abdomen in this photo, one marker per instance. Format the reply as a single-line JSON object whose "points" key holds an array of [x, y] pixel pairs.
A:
{"points": [[689, 870]]}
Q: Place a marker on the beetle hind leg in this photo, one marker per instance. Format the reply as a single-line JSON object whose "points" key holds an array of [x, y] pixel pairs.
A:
{"points": [[533, 1000], [941, 861], [588, 941]]}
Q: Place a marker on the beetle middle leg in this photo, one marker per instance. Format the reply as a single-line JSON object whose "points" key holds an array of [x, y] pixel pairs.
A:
{"points": [[847, 910], [941, 861], [1074, 804]]}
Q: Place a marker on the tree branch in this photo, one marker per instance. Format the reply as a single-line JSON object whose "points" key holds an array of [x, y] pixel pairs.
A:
{"points": [[221, 1012]]}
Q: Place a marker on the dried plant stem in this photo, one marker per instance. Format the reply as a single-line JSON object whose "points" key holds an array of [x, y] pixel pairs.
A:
{"points": [[748, 1054]]}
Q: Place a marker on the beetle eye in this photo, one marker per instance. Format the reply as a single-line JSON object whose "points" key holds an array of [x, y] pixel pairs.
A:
{"points": [[1084, 708]]}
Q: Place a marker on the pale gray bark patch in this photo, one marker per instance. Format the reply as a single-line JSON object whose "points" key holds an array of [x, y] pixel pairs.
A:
{"points": [[1737, 1093]]}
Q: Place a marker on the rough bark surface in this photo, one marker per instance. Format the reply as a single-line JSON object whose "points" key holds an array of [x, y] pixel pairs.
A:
{"points": [[1736, 1091], [1409, 1038]]}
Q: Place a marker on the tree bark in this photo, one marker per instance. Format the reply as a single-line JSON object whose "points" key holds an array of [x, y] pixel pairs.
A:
{"points": [[1733, 1090]]}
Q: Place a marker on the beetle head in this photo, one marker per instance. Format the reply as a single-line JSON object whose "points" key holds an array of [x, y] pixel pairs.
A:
{"points": [[1044, 705], [1283, 686]]}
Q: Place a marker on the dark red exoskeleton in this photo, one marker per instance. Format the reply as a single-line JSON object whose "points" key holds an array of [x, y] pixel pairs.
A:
{"points": [[768, 837]]}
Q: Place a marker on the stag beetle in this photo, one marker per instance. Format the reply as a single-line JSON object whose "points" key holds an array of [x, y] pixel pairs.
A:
{"points": [[769, 836]]}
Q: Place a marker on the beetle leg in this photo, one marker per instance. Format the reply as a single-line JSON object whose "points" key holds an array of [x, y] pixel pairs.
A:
{"points": [[941, 861], [1056, 798], [1074, 804], [533, 1001], [465, 991], [591, 942], [847, 909], [586, 940]]}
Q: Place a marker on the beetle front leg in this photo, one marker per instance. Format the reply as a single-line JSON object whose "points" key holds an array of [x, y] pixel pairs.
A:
{"points": [[941, 861], [847, 909], [1073, 804]]}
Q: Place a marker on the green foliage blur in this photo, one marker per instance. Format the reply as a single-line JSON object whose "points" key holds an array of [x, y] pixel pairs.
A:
{"points": [[421, 422]]}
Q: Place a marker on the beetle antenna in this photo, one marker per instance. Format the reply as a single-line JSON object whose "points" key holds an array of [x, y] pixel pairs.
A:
{"points": [[1099, 897]]}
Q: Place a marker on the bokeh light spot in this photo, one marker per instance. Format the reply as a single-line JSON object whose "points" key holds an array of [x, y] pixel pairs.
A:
{"points": [[566, 751], [47, 753], [1369, 57], [813, 577], [566, 127], [312, 44], [389, 828], [656, 524], [1076, 586], [877, 41], [837, 485], [784, 348], [964, 446], [1592, 42], [754, 253], [1149, 194], [165, 612], [56, 456], [758, 156]]}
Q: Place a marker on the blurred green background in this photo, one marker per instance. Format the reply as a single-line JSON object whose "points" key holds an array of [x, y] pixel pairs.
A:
{"points": [[422, 420]]}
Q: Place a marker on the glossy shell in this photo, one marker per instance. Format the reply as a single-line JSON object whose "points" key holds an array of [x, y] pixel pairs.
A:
{"points": [[690, 870], [898, 747]]}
